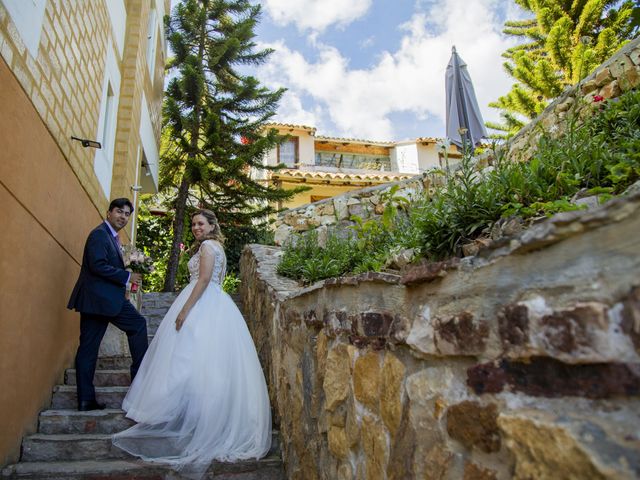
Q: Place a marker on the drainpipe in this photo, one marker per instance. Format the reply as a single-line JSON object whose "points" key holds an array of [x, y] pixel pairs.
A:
{"points": [[135, 188]]}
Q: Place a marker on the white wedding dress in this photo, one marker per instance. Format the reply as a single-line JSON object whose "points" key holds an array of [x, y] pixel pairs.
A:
{"points": [[200, 394]]}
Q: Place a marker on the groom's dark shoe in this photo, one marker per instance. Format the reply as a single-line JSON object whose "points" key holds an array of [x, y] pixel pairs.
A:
{"points": [[86, 405]]}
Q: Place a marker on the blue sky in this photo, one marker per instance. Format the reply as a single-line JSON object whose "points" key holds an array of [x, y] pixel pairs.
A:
{"points": [[374, 69]]}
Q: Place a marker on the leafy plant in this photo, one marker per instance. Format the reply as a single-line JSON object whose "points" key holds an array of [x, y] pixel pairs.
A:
{"points": [[305, 260]]}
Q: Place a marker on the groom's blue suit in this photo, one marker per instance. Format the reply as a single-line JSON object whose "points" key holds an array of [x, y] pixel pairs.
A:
{"points": [[99, 296]]}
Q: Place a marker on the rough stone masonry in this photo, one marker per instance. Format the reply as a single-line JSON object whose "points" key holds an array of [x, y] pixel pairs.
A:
{"points": [[519, 362]]}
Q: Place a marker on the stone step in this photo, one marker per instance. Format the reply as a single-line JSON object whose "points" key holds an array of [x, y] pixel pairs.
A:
{"points": [[114, 363], [154, 315], [65, 447], [65, 396], [84, 446], [157, 300], [102, 378], [75, 422], [151, 331], [269, 468], [153, 322]]}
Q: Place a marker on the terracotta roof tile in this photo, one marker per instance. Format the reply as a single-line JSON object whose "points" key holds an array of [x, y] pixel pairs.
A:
{"points": [[351, 176], [290, 125], [355, 140], [428, 140]]}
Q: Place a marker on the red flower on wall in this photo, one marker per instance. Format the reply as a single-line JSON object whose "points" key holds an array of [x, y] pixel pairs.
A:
{"points": [[244, 140], [598, 98]]}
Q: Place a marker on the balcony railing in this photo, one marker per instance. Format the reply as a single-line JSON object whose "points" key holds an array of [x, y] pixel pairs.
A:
{"points": [[353, 161]]}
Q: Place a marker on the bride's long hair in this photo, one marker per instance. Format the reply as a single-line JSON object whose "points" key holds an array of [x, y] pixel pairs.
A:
{"points": [[215, 234]]}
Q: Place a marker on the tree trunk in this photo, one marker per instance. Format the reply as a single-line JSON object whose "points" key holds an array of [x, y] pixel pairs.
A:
{"points": [[178, 231], [183, 190]]}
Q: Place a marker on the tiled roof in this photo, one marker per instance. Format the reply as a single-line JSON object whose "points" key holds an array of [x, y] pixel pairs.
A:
{"points": [[381, 143], [381, 177], [428, 140], [290, 125], [355, 140]]}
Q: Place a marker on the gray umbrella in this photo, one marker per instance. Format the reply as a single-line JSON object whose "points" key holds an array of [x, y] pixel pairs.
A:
{"points": [[462, 107]]}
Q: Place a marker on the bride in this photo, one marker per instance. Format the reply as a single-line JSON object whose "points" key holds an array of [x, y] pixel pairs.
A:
{"points": [[200, 394]]}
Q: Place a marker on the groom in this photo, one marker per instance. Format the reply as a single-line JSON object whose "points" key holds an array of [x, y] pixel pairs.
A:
{"points": [[99, 296]]}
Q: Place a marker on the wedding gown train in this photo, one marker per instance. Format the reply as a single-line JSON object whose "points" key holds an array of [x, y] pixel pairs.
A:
{"points": [[200, 394]]}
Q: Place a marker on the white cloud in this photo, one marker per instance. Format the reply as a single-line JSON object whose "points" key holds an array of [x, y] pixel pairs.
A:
{"points": [[358, 102], [315, 15], [291, 111]]}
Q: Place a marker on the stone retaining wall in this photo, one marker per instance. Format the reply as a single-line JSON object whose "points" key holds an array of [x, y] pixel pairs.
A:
{"points": [[520, 362], [336, 212]]}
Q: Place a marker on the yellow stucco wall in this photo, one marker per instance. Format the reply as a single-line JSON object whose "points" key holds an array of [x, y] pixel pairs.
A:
{"points": [[49, 193], [316, 190], [46, 216]]}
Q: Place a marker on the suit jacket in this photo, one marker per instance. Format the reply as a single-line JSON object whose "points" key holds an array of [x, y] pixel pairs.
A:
{"points": [[100, 288]]}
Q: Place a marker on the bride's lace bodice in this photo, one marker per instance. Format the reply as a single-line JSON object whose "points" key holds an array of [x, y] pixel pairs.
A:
{"points": [[213, 248]]}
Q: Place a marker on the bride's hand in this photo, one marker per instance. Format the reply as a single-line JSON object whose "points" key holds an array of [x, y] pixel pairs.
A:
{"points": [[180, 319]]}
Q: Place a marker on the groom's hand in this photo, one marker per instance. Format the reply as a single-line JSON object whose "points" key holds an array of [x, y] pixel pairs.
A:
{"points": [[136, 278]]}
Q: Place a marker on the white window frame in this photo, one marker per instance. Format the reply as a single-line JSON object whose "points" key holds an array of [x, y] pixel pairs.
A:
{"points": [[152, 39], [28, 17], [160, 13], [149, 141], [107, 123], [118, 17], [289, 162]]}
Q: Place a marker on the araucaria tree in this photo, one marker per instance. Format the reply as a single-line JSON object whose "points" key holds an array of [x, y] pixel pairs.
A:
{"points": [[564, 42], [214, 116]]}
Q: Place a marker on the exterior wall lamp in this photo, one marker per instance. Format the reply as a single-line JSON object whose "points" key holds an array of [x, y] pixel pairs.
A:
{"points": [[87, 143]]}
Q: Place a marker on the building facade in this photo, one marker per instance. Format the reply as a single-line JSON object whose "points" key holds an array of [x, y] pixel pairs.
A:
{"points": [[94, 71], [331, 166]]}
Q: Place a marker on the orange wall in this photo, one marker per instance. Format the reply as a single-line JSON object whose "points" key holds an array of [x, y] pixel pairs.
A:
{"points": [[46, 215]]}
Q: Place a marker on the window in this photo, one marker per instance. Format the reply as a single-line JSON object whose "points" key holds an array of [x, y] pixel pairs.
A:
{"points": [[118, 16], [288, 152], [104, 157], [354, 161], [107, 123], [28, 17], [152, 29], [149, 144], [108, 115]]}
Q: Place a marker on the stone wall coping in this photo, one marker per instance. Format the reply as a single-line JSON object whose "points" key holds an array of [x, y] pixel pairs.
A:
{"points": [[283, 288], [557, 228]]}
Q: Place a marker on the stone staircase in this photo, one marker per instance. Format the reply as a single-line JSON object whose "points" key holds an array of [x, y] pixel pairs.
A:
{"points": [[74, 445]]}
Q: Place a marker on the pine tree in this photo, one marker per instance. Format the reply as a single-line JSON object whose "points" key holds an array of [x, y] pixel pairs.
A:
{"points": [[563, 43], [214, 117]]}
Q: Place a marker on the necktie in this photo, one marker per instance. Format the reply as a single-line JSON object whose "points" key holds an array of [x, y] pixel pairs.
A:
{"points": [[116, 238]]}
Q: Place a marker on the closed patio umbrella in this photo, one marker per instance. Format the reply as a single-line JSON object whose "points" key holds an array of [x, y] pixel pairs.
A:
{"points": [[462, 107]]}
